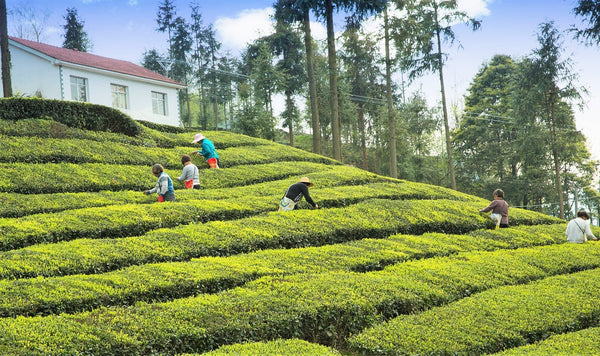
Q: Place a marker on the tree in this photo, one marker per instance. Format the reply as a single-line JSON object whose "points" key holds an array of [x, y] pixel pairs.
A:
{"points": [[4, 52], [554, 83], [515, 132], [29, 23], [154, 61], [200, 56], [75, 36], [357, 10], [420, 123], [286, 43], [165, 18], [390, 107], [181, 45], [590, 11], [485, 134], [419, 36], [359, 59], [299, 11]]}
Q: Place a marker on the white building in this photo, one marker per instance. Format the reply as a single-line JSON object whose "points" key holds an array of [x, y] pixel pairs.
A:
{"points": [[51, 72]]}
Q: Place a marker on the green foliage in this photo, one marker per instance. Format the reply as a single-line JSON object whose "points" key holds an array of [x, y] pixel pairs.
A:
{"points": [[327, 307], [370, 219], [75, 37], [90, 265], [277, 347], [17, 205], [167, 281], [75, 114], [479, 324], [44, 150], [584, 342], [90, 177], [165, 128]]}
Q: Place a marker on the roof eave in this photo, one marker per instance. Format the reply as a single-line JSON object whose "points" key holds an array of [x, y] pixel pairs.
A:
{"points": [[118, 74]]}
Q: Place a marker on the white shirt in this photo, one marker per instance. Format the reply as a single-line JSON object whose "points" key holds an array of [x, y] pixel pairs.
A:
{"points": [[577, 230]]}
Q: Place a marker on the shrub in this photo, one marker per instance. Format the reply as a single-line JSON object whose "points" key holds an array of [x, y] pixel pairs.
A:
{"points": [[277, 347], [583, 342], [75, 114], [328, 307], [369, 219], [495, 319], [166, 281]]}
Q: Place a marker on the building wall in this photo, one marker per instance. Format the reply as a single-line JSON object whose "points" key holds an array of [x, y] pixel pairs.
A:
{"points": [[33, 75], [139, 93]]}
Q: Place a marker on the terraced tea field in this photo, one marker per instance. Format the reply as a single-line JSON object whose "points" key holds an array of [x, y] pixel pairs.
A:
{"points": [[89, 265]]}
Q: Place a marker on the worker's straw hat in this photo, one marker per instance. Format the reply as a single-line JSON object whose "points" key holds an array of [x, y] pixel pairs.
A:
{"points": [[306, 180]]}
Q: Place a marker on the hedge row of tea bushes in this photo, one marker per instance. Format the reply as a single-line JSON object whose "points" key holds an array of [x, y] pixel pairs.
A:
{"points": [[273, 348], [52, 150], [17, 205], [166, 281], [134, 219], [493, 320], [370, 219], [147, 137], [328, 307], [72, 113], [582, 343], [88, 177]]}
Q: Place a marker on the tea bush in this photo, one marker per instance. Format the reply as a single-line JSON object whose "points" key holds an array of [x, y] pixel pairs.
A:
{"points": [[89, 177], [165, 281], [89, 265], [277, 347], [328, 307], [583, 342], [72, 113], [369, 219], [479, 324]]}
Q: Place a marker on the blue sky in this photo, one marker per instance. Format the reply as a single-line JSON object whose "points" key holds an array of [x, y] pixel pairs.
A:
{"points": [[124, 29]]}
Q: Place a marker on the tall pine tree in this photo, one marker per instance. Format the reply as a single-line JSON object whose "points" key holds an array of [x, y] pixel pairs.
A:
{"points": [[75, 36]]}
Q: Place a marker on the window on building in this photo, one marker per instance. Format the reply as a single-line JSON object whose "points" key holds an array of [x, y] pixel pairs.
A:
{"points": [[159, 103], [79, 89], [119, 96]]}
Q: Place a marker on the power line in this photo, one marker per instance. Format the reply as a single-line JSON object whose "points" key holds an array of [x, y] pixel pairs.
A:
{"points": [[507, 120], [367, 99]]}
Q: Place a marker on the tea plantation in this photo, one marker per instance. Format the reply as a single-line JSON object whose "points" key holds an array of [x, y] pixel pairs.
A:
{"points": [[89, 265]]}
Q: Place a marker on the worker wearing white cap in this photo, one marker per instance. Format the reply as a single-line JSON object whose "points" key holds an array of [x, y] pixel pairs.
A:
{"points": [[208, 151]]}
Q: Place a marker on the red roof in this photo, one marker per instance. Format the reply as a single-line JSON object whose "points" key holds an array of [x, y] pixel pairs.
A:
{"points": [[94, 61]]}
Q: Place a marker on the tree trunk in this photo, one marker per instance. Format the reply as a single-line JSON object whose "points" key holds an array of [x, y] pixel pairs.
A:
{"points": [[288, 103], [559, 187], [5, 53], [390, 105], [203, 103], [314, 101], [445, 109], [216, 113], [335, 117], [189, 114], [363, 134]]}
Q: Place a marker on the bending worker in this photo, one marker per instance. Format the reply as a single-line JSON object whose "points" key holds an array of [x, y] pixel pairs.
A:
{"points": [[578, 229], [294, 194], [208, 151]]}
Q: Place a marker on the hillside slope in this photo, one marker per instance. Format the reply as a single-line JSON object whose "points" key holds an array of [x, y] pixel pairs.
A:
{"points": [[90, 265]]}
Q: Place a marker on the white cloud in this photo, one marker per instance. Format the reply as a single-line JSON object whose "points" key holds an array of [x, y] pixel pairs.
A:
{"points": [[474, 8], [236, 32]]}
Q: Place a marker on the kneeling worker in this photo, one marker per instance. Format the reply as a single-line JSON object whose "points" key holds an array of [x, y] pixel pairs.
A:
{"points": [[294, 194]]}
